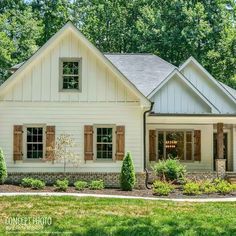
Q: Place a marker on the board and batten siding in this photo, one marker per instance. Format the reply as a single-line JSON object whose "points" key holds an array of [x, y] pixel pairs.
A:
{"points": [[35, 99], [209, 89], [176, 97], [40, 82], [70, 118]]}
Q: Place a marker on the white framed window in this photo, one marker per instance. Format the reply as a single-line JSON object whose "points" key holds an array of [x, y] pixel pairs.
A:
{"points": [[34, 142], [70, 74], [104, 142], [175, 143]]}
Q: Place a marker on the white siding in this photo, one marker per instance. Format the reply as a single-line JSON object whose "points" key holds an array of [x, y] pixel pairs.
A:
{"points": [[177, 97], [209, 89], [40, 82], [35, 99], [70, 118]]}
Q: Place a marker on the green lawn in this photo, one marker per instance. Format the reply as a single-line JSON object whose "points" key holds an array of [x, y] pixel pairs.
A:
{"points": [[96, 216]]}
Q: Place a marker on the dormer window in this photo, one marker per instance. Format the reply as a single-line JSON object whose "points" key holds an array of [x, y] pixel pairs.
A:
{"points": [[70, 74]]}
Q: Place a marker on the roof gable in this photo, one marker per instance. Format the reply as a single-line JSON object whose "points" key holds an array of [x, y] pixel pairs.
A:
{"points": [[209, 76], [69, 27], [189, 85], [217, 93]]}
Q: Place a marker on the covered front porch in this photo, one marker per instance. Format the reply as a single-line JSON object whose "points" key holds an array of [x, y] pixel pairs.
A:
{"points": [[203, 143]]}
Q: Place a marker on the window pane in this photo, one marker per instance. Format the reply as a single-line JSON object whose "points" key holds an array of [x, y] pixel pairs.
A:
{"points": [[104, 143], [34, 142], [188, 136], [188, 151], [160, 145], [175, 145]]}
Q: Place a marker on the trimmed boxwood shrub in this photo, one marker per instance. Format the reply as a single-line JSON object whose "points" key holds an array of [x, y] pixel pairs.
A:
{"points": [[61, 185], [27, 182], [223, 187], [191, 188], [208, 187], [3, 168], [96, 185], [170, 170], [162, 188], [37, 184], [80, 185], [127, 175]]}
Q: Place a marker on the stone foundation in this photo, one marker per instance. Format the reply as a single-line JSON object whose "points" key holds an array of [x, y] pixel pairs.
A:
{"points": [[110, 179], [220, 167], [202, 175], [190, 175]]}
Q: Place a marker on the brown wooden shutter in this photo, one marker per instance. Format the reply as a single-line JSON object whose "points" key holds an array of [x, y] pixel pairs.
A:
{"points": [[88, 142], [17, 142], [50, 142], [120, 142], [197, 145], [152, 145]]}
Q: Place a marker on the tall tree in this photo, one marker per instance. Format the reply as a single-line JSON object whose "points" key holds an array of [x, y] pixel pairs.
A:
{"points": [[53, 14]]}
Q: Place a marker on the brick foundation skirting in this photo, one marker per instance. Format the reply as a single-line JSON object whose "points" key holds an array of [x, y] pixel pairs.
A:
{"points": [[110, 179], [190, 175], [202, 175]]}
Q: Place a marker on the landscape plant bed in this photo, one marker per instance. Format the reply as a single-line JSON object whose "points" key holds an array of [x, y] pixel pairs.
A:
{"points": [[177, 193]]}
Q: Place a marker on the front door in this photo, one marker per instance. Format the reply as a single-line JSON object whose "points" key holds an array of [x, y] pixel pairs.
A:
{"points": [[225, 149]]}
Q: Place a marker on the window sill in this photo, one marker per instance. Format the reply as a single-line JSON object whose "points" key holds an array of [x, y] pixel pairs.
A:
{"points": [[70, 91], [104, 160]]}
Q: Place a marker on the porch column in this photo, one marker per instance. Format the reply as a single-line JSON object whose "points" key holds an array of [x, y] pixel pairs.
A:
{"points": [[234, 148], [220, 161]]}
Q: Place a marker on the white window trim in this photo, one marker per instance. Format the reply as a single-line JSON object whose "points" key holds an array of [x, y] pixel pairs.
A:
{"points": [[25, 126], [70, 59], [113, 142], [176, 130]]}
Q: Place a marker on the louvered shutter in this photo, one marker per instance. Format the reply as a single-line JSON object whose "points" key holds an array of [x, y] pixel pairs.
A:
{"points": [[152, 145], [120, 142], [88, 142], [17, 142], [197, 145]]}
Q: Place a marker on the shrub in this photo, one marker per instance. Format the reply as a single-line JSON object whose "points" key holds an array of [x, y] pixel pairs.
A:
{"points": [[208, 187], [162, 188], [3, 168], [37, 184], [170, 169], [127, 175], [191, 188], [96, 185], [61, 185], [27, 182], [80, 185], [224, 187]]}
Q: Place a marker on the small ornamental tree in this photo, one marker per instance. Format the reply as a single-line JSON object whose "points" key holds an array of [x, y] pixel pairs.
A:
{"points": [[127, 175], [3, 168], [64, 152]]}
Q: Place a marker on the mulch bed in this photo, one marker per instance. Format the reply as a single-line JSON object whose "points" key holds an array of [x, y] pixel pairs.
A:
{"points": [[110, 191]]}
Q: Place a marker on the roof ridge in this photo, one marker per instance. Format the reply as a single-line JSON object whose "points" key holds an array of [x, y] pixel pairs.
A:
{"points": [[127, 53]]}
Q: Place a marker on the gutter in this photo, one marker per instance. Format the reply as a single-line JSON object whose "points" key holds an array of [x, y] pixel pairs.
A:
{"points": [[144, 144]]}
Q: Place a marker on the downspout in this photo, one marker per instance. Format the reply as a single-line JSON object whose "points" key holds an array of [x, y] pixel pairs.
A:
{"points": [[144, 145]]}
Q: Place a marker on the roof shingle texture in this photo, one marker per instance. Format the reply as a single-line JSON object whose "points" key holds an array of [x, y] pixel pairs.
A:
{"points": [[145, 71]]}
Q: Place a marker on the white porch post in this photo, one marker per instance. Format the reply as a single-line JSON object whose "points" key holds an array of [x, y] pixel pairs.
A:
{"points": [[234, 148]]}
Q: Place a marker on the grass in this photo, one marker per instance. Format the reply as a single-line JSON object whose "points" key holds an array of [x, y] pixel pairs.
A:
{"points": [[96, 216]]}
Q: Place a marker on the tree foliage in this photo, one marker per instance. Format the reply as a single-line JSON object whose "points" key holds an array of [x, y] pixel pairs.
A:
{"points": [[174, 30], [3, 168]]}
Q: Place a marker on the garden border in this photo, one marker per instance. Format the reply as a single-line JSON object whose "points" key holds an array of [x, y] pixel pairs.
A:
{"points": [[48, 194]]}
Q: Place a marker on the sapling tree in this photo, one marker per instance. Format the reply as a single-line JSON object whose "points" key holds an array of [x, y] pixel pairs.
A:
{"points": [[64, 152]]}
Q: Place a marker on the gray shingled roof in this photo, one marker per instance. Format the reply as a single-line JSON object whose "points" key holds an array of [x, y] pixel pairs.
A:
{"points": [[145, 71]]}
